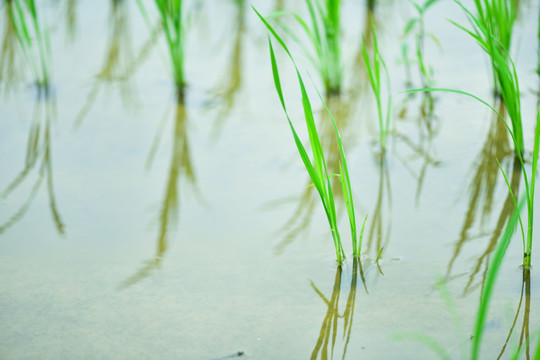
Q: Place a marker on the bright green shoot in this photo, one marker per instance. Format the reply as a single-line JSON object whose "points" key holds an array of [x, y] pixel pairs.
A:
{"points": [[417, 24], [491, 277], [485, 299], [28, 28], [174, 26], [492, 29], [316, 164], [374, 67], [324, 34]]}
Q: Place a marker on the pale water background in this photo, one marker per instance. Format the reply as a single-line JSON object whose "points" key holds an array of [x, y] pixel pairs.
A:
{"points": [[226, 278]]}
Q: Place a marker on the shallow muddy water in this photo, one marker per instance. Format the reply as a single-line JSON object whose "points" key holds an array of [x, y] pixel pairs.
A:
{"points": [[144, 228]]}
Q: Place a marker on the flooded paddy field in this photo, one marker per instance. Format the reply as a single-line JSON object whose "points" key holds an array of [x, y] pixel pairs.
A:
{"points": [[155, 206]]}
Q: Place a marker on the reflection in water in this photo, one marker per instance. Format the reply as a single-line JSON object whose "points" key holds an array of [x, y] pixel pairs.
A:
{"points": [[496, 148], [71, 20], [181, 168], [120, 62], [233, 81], [25, 25], [422, 148], [359, 93], [118, 57], [38, 156], [379, 230], [524, 337], [329, 328]]}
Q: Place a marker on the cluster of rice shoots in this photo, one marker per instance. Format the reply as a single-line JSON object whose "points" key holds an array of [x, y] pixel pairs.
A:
{"points": [[376, 68], [174, 27], [492, 29], [324, 34], [316, 165], [27, 24], [416, 26]]}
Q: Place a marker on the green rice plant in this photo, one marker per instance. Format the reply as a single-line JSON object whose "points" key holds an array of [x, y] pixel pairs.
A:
{"points": [[487, 291], [317, 166], [324, 34], [495, 23], [29, 30], [485, 299], [492, 29], [375, 66], [174, 26], [10, 54], [416, 25]]}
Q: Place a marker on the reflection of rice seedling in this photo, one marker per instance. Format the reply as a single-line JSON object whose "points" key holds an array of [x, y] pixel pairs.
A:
{"points": [[181, 168], [485, 299], [317, 168], [374, 67], [329, 327], [529, 181], [38, 155], [492, 29], [324, 34], [34, 42], [482, 200], [120, 63], [233, 74]]}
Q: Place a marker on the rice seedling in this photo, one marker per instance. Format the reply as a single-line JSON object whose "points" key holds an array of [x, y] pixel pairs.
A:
{"points": [[375, 66], [416, 26], [10, 54], [482, 190], [30, 31], [492, 29], [317, 167], [485, 300], [324, 34], [491, 276], [174, 26]]}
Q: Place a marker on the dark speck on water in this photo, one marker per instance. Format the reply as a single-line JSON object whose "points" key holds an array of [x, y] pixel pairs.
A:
{"points": [[235, 355]]}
